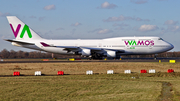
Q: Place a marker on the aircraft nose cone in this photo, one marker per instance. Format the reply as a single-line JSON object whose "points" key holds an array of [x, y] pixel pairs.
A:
{"points": [[171, 46]]}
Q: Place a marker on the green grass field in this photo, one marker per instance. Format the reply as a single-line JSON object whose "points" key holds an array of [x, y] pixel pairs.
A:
{"points": [[77, 86], [90, 87]]}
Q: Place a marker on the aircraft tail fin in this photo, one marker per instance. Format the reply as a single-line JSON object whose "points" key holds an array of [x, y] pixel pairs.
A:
{"points": [[20, 30]]}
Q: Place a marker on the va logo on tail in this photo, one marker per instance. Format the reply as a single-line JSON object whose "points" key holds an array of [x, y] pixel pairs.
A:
{"points": [[25, 28]]}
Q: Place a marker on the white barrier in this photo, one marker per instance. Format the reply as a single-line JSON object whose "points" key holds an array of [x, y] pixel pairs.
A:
{"points": [[127, 71], [110, 72], [152, 71], [89, 72], [37, 73]]}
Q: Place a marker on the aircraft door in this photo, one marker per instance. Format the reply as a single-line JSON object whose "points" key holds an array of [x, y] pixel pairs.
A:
{"points": [[151, 44], [150, 47]]}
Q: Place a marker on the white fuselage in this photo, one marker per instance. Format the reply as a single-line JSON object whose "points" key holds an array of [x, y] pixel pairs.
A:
{"points": [[130, 45]]}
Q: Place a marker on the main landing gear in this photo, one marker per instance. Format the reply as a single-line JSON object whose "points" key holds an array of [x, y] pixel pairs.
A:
{"points": [[155, 56]]}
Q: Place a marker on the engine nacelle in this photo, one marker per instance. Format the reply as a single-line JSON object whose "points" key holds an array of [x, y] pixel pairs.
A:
{"points": [[16, 44], [86, 52], [83, 52], [111, 54]]}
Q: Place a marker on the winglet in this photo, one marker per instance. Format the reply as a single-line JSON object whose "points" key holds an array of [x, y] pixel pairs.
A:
{"points": [[44, 44]]}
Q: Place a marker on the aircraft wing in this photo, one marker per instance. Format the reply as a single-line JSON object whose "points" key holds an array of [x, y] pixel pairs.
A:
{"points": [[73, 48], [20, 42]]}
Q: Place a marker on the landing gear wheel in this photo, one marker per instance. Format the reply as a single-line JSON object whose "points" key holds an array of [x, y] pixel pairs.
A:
{"points": [[155, 56], [96, 56]]}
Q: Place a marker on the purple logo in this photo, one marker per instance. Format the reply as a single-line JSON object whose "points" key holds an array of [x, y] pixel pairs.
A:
{"points": [[17, 30]]}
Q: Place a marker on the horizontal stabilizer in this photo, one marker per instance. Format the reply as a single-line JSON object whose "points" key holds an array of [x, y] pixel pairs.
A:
{"points": [[21, 42]]}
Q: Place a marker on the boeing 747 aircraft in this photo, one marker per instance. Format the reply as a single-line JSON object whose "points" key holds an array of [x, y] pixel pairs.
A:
{"points": [[93, 48]]}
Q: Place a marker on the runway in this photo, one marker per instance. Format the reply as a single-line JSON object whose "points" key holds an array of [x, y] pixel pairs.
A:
{"points": [[80, 61]]}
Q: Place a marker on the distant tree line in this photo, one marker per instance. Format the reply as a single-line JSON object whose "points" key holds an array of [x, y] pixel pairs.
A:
{"points": [[34, 54], [38, 54]]}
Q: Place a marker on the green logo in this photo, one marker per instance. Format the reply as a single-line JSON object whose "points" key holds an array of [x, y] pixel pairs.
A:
{"points": [[26, 29]]}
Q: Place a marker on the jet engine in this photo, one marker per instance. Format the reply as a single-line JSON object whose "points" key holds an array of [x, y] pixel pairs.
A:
{"points": [[86, 52], [111, 54], [16, 44]]}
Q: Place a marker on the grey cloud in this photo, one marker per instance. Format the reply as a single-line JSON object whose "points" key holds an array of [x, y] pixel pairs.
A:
{"points": [[33, 17], [60, 28], [101, 31], [76, 24], [4, 14], [104, 31], [173, 28], [120, 18], [145, 28], [119, 28], [50, 7], [96, 30], [139, 1], [121, 25], [139, 19], [170, 22], [41, 18], [123, 18], [107, 5]]}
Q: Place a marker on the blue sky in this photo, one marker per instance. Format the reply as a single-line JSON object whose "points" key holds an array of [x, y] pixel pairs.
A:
{"points": [[93, 19]]}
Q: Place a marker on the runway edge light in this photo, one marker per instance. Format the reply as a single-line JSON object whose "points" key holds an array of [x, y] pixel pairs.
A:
{"points": [[110, 72], [170, 71], [89, 72], [143, 71], [60, 73], [172, 61], [16, 73], [127, 71], [71, 59], [152, 71], [37, 73]]}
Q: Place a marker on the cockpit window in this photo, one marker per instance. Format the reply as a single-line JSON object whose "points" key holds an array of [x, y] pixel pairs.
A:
{"points": [[160, 39]]}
